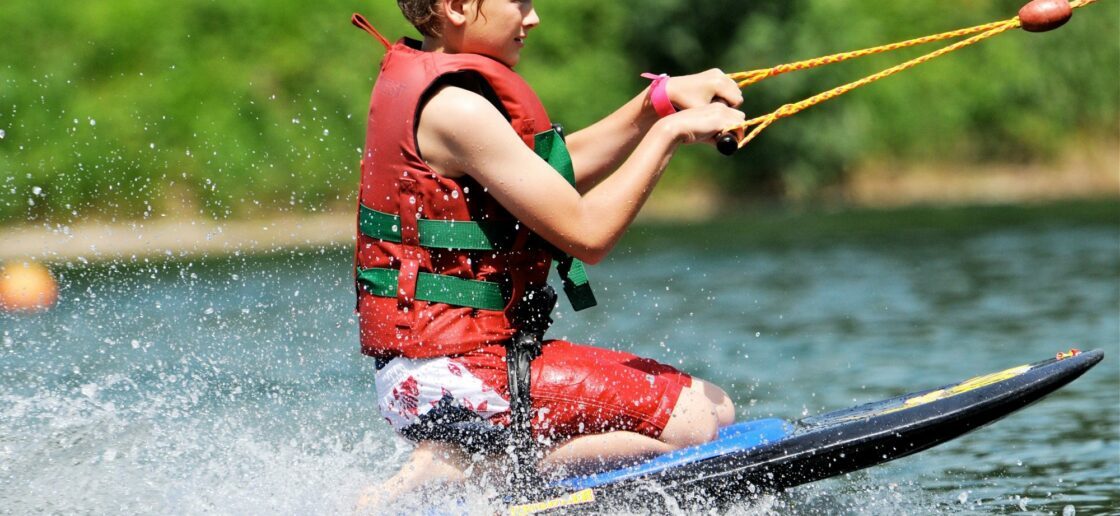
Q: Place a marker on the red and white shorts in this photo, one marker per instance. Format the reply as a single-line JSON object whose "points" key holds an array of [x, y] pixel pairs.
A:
{"points": [[576, 389]]}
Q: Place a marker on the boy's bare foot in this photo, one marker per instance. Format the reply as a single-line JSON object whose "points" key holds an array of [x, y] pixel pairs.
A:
{"points": [[430, 463]]}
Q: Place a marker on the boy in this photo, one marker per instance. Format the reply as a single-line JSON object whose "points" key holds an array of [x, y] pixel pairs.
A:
{"points": [[460, 217]]}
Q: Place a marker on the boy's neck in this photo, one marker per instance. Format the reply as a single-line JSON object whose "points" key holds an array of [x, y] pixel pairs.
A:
{"points": [[431, 44]]}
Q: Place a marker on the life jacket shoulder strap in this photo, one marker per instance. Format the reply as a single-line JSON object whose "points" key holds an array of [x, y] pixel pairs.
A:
{"points": [[550, 146]]}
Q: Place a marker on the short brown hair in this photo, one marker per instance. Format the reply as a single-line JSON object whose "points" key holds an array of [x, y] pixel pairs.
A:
{"points": [[423, 15]]}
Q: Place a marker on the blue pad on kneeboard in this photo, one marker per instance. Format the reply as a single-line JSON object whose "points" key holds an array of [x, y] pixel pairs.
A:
{"points": [[734, 438]]}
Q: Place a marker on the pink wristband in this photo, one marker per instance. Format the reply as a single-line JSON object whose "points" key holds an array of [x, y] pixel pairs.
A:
{"points": [[658, 96]]}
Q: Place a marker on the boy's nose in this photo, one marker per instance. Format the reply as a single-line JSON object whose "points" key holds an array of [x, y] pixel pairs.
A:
{"points": [[531, 19]]}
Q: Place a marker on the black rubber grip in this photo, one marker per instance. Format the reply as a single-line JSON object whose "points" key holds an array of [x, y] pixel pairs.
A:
{"points": [[727, 144]]}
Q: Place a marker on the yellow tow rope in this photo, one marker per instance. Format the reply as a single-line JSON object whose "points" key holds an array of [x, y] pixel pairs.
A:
{"points": [[729, 143]]}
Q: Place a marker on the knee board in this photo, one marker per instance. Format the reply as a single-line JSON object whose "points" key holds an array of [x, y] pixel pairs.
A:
{"points": [[768, 455]]}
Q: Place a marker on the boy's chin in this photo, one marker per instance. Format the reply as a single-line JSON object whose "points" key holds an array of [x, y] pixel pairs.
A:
{"points": [[508, 60]]}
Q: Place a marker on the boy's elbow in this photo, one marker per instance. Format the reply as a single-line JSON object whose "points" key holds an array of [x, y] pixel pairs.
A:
{"points": [[593, 252], [589, 241], [591, 258]]}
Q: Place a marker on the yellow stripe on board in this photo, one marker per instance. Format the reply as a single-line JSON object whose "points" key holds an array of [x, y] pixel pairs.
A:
{"points": [[577, 498], [988, 379], [965, 386]]}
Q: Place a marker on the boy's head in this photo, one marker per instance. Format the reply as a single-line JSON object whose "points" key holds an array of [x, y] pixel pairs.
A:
{"points": [[494, 28]]}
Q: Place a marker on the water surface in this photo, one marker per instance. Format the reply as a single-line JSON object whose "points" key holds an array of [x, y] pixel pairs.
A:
{"points": [[234, 385]]}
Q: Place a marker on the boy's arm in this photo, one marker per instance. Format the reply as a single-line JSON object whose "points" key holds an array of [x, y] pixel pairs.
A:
{"points": [[600, 148], [461, 133]]}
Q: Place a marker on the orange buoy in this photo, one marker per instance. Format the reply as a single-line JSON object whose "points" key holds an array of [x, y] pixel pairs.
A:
{"points": [[1044, 15], [26, 287]]}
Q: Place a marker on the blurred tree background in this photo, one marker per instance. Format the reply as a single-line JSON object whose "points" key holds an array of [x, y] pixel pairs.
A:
{"points": [[131, 109]]}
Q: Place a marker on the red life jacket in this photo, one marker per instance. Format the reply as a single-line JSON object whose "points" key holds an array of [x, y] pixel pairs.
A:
{"points": [[440, 263]]}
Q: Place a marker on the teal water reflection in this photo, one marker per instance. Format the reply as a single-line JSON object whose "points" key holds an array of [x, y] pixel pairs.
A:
{"points": [[234, 385]]}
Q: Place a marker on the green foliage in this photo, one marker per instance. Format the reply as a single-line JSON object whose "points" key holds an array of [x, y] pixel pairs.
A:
{"points": [[132, 109], [197, 108]]}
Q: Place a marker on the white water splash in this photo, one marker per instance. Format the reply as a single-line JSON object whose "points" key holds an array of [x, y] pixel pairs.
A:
{"points": [[168, 453]]}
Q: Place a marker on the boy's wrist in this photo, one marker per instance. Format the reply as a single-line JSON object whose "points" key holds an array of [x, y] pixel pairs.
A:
{"points": [[659, 94], [669, 131]]}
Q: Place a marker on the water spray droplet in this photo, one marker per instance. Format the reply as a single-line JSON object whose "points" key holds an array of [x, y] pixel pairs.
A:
{"points": [[89, 390]]}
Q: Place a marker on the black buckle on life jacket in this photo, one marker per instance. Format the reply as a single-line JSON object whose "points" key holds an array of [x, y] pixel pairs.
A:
{"points": [[532, 317]]}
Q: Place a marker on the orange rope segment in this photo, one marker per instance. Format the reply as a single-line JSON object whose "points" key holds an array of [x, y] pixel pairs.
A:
{"points": [[754, 126]]}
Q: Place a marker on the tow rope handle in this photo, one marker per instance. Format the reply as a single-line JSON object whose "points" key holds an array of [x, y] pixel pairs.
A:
{"points": [[1036, 16]]}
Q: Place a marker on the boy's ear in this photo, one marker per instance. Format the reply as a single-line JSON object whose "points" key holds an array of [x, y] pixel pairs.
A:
{"points": [[455, 11]]}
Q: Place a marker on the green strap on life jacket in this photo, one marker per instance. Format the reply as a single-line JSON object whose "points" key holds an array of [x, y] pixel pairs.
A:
{"points": [[475, 236], [576, 285], [437, 288], [438, 234], [550, 146]]}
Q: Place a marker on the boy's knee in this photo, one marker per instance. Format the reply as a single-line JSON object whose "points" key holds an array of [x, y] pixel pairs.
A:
{"points": [[695, 419], [725, 412], [695, 432], [724, 407]]}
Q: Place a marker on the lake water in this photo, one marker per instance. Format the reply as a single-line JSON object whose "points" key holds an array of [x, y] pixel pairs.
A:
{"points": [[234, 385]]}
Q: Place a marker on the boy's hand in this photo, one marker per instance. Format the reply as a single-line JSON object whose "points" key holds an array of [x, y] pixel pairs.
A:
{"points": [[702, 123], [689, 91]]}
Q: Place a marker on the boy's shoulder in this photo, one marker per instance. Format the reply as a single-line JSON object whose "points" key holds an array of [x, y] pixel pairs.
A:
{"points": [[456, 102], [407, 50]]}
